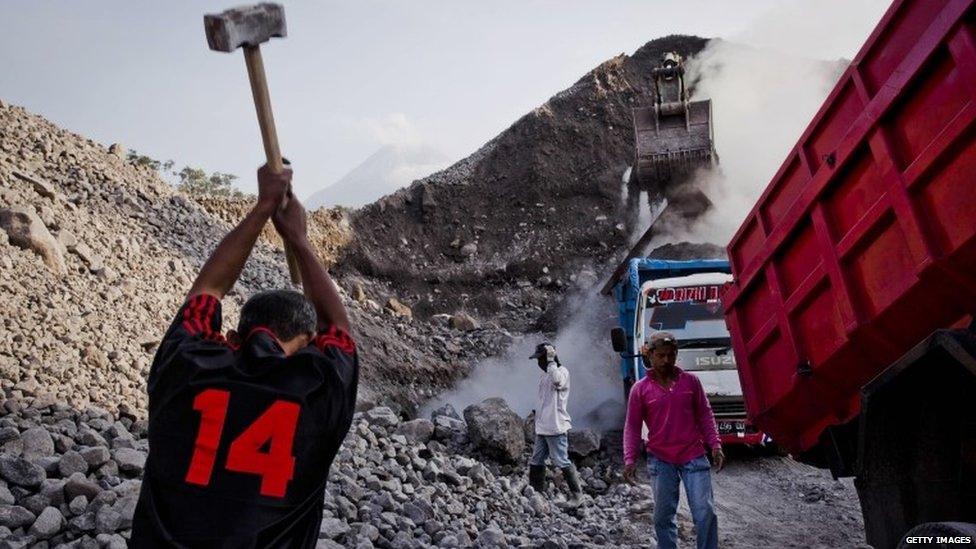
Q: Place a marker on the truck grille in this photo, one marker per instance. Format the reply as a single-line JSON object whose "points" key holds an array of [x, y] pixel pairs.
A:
{"points": [[728, 408]]}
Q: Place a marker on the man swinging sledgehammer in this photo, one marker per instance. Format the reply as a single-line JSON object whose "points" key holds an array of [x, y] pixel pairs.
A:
{"points": [[243, 428]]}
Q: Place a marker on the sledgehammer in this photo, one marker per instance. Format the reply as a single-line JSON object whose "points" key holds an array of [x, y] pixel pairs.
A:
{"points": [[249, 27]]}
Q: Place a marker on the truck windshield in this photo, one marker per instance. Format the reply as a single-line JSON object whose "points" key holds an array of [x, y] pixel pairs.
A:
{"points": [[694, 324]]}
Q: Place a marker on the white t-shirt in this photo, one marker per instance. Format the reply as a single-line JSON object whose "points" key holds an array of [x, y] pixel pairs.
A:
{"points": [[551, 417]]}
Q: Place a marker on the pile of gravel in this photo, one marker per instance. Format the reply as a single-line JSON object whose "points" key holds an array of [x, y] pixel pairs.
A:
{"points": [[96, 255], [71, 478]]}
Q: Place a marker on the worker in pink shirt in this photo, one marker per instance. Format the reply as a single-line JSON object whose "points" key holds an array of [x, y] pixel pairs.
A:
{"points": [[680, 425]]}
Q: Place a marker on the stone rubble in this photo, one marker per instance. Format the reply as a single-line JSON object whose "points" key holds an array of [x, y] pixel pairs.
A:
{"points": [[96, 255], [71, 478]]}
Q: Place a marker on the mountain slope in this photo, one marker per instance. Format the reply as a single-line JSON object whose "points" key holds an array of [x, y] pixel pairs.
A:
{"points": [[383, 172]]}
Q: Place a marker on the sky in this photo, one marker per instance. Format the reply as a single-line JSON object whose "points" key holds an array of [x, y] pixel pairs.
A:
{"points": [[355, 75]]}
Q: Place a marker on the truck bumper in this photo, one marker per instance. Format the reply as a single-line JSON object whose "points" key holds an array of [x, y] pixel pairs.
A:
{"points": [[738, 432]]}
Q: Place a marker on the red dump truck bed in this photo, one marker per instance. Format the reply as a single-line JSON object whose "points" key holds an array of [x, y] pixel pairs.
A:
{"points": [[864, 242]]}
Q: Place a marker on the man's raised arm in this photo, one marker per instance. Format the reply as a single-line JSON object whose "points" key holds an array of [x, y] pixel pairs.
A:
{"points": [[316, 282], [222, 270]]}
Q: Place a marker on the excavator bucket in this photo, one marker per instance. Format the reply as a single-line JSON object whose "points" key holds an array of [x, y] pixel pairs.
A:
{"points": [[672, 145], [673, 136]]}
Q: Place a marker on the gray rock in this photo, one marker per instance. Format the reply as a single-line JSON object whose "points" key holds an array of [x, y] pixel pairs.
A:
{"points": [[67, 239], [53, 490], [48, 523], [111, 541], [15, 516], [382, 416], [9, 433], [130, 461], [19, 541], [37, 443], [478, 474], [84, 522], [6, 497], [415, 513], [416, 431], [495, 429], [96, 455], [126, 508], [26, 230], [78, 485], [21, 472], [72, 462], [89, 257], [34, 503], [107, 520], [445, 410], [48, 463], [583, 442], [41, 187], [89, 437], [491, 537], [333, 528], [78, 505]]}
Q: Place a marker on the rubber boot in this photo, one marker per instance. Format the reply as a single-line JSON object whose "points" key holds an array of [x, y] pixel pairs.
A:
{"points": [[537, 478], [572, 479]]}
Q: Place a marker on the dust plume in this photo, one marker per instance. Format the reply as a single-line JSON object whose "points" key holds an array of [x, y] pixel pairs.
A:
{"points": [[583, 346], [762, 100]]}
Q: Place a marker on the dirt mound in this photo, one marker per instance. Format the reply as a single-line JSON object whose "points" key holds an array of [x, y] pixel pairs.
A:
{"points": [[328, 229], [525, 214], [119, 247]]}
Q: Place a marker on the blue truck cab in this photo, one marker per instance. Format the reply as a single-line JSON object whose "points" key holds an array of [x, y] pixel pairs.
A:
{"points": [[684, 298]]}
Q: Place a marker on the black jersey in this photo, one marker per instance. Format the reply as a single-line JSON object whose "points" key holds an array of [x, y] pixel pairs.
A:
{"points": [[241, 439]]}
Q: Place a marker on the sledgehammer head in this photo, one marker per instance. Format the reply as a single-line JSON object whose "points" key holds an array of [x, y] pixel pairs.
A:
{"points": [[244, 26]]}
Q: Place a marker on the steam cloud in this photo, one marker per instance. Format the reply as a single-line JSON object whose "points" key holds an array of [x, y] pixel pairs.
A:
{"points": [[762, 100], [583, 346]]}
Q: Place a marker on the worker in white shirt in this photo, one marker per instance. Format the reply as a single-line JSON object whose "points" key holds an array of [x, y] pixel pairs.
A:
{"points": [[552, 423]]}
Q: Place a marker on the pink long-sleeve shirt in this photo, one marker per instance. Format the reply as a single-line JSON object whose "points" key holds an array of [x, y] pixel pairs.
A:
{"points": [[679, 420]]}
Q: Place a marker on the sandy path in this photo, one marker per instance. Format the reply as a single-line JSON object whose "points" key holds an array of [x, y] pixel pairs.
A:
{"points": [[771, 501]]}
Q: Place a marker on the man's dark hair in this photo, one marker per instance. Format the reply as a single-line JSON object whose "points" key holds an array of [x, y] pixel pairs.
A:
{"points": [[285, 312]]}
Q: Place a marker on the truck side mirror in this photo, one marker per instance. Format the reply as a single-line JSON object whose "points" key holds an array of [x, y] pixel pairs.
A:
{"points": [[619, 340]]}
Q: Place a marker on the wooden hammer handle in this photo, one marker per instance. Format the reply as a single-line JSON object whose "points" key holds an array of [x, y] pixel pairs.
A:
{"points": [[262, 103]]}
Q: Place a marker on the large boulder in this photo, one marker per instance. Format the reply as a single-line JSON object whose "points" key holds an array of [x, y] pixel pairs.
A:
{"points": [[583, 442], [26, 230], [495, 429]]}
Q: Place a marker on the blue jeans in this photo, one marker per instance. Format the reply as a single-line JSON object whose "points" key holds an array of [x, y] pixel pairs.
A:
{"points": [[697, 478], [555, 447]]}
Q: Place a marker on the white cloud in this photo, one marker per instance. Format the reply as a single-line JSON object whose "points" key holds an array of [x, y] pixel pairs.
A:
{"points": [[393, 129]]}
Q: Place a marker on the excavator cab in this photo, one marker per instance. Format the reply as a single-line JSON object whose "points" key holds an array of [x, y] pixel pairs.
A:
{"points": [[673, 136]]}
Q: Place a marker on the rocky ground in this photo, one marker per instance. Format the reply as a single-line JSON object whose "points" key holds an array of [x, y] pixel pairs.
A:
{"points": [[97, 253], [71, 479]]}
